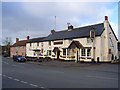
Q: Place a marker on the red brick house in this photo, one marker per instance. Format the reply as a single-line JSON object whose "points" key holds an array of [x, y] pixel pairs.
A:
{"points": [[19, 48]]}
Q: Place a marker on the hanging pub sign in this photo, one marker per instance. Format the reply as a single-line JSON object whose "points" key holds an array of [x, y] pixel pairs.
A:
{"points": [[92, 34]]}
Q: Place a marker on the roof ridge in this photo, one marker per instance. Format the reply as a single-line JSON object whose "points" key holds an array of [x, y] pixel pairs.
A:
{"points": [[81, 27]]}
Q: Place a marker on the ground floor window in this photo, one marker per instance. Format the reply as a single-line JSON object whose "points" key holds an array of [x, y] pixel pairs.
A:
{"points": [[88, 52], [64, 51], [68, 52], [83, 52], [22, 54], [49, 52]]}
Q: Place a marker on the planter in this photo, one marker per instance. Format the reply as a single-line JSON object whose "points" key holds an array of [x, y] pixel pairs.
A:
{"points": [[53, 55], [72, 56], [64, 56], [82, 57], [88, 57]]}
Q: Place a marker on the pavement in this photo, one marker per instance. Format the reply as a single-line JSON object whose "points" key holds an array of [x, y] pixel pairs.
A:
{"points": [[107, 67], [56, 74]]}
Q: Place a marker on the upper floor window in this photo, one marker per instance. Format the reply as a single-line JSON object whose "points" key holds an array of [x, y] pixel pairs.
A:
{"points": [[22, 47], [55, 43], [89, 40]]}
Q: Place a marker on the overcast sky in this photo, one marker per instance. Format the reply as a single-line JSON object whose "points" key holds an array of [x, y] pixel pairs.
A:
{"points": [[36, 19]]}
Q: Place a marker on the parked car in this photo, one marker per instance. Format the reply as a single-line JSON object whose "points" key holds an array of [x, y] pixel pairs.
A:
{"points": [[5, 55], [19, 58]]}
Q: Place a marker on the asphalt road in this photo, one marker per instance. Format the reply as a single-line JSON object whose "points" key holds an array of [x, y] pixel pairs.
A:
{"points": [[26, 75]]}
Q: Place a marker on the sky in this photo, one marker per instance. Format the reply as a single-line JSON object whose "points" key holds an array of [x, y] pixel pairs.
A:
{"points": [[37, 19]]}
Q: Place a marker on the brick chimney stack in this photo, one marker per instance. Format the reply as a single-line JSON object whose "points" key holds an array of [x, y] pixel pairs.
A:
{"points": [[106, 17], [17, 39], [28, 37], [52, 31], [70, 27]]}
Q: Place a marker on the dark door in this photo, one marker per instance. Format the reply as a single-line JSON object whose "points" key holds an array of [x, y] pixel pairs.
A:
{"points": [[58, 54], [77, 55]]}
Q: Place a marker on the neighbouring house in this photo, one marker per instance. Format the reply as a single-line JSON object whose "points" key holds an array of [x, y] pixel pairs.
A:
{"points": [[19, 48], [96, 42]]}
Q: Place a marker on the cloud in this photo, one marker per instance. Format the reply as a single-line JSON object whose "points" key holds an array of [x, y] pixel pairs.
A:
{"points": [[37, 19]]}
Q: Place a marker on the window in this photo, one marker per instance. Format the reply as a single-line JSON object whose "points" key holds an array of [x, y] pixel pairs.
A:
{"points": [[49, 52], [89, 40], [30, 44], [109, 51], [83, 52], [64, 51], [49, 43], [22, 53], [16, 47], [22, 47], [68, 51], [88, 52], [55, 43], [37, 43]]}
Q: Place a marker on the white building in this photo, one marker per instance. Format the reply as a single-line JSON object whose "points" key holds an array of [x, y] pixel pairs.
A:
{"points": [[76, 44]]}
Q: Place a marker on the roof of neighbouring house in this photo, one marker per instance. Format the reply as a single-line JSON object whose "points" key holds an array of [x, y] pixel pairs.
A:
{"points": [[36, 39], [76, 32], [20, 43]]}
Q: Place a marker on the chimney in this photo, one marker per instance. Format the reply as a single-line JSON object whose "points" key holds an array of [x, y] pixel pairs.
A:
{"points": [[106, 17], [52, 31], [17, 39], [28, 37], [70, 27]]}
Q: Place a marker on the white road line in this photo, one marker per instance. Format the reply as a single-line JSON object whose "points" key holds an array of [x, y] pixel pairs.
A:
{"points": [[23, 82], [102, 77], [10, 77], [16, 79], [4, 75], [33, 85], [42, 87]]}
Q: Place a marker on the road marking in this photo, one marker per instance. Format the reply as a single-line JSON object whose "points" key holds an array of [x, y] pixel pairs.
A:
{"points": [[10, 77], [33, 85], [16, 79], [23, 82], [42, 87], [4, 75], [102, 77], [0, 74]]}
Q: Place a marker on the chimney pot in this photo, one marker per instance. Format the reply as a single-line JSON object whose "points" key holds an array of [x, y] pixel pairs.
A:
{"points": [[106, 17], [17, 39], [28, 37], [70, 27], [52, 31]]}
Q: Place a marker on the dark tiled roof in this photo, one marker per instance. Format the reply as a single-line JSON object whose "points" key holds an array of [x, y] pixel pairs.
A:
{"points": [[76, 33], [20, 43], [36, 39]]}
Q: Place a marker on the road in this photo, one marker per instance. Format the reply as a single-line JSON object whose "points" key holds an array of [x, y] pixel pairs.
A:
{"points": [[26, 75]]}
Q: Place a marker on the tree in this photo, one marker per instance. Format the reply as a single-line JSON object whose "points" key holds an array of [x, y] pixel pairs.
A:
{"points": [[7, 43]]}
